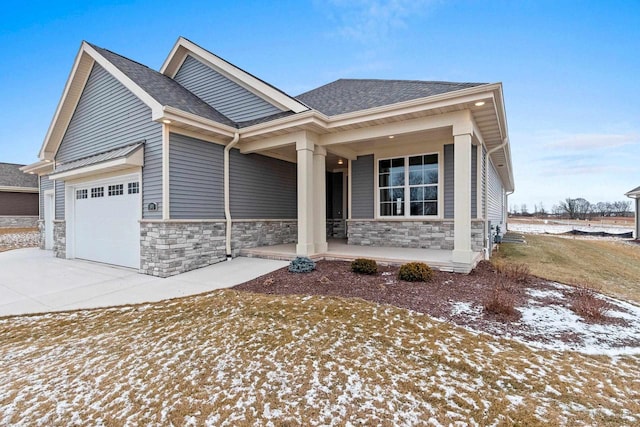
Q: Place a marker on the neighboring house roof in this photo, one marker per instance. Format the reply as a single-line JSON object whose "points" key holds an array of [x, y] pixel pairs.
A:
{"points": [[635, 193], [162, 88], [349, 95], [12, 176]]}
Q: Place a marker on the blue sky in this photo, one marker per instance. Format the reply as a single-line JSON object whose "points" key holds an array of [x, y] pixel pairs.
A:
{"points": [[570, 69]]}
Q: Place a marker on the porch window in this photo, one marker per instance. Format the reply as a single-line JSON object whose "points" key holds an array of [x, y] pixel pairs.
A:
{"points": [[408, 186]]}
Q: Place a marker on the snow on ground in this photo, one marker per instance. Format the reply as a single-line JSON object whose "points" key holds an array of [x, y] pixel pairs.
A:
{"points": [[548, 323], [561, 228]]}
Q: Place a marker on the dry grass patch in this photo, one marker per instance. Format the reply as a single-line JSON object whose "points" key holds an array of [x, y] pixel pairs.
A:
{"points": [[235, 358], [610, 266]]}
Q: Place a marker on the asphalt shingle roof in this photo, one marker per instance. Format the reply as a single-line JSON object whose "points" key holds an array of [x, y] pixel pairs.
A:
{"points": [[12, 176], [349, 95], [339, 97], [164, 89]]}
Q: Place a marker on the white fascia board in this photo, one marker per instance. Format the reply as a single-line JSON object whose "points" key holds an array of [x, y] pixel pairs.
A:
{"points": [[136, 159], [73, 91], [19, 189], [123, 78], [174, 114], [42, 167], [230, 71], [68, 101], [633, 194]]}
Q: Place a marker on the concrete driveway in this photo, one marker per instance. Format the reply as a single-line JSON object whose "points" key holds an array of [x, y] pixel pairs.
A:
{"points": [[34, 281]]}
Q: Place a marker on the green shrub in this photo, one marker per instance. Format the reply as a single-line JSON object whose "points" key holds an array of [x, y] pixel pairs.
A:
{"points": [[364, 266], [302, 265], [415, 272]]}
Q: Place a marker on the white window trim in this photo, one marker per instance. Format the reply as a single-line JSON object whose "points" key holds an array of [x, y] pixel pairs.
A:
{"points": [[407, 201]]}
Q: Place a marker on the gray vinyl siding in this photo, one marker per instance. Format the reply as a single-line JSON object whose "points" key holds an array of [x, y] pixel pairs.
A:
{"points": [[449, 183], [109, 116], [262, 187], [59, 199], [45, 184], [196, 186], [495, 196], [229, 98], [362, 187]]}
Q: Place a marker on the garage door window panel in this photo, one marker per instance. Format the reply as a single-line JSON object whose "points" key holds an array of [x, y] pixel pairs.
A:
{"points": [[116, 190], [97, 192]]}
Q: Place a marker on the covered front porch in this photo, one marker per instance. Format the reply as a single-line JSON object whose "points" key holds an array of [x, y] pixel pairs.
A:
{"points": [[338, 249]]}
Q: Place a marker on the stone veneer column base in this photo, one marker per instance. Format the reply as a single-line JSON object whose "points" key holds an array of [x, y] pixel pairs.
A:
{"points": [[252, 233], [42, 233], [434, 234], [60, 238], [172, 247]]}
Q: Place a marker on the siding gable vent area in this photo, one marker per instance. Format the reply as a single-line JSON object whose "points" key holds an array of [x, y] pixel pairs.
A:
{"points": [[224, 95]]}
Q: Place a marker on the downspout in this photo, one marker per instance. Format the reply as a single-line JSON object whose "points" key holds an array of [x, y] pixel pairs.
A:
{"points": [[486, 196], [227, 209]]}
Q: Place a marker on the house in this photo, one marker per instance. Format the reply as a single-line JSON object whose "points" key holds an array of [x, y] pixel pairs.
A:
{"points": [[167, 171], [635, 194], [18, 197]]}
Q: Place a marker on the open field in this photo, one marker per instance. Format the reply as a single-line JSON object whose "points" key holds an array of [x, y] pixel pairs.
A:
{"points": [[612, 267], [234, 358]]}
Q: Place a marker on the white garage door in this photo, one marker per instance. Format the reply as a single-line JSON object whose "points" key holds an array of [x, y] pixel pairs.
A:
{"points": [[106, 221]]}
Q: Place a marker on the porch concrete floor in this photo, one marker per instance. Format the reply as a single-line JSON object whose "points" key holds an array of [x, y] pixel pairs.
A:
{"points": [[338, 249]]}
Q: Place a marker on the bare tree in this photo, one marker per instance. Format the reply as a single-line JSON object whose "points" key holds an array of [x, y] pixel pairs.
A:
{"points": [[568, 207]]}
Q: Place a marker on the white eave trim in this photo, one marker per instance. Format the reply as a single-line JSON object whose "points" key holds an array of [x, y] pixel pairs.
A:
{"points": [[633, 194], [42, 167], [18, 189], [172, 114], [136, 159], [183, 47]]}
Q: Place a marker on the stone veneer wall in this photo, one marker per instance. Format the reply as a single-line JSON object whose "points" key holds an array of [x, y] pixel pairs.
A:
{"points": [[18, 221], [260, 232], [477, 235], [60, 238], [410, 234], [173, 247], [42, 235], [336, 228]]}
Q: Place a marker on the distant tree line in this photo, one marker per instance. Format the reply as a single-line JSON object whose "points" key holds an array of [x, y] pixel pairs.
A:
{"points": [[578, 208]]}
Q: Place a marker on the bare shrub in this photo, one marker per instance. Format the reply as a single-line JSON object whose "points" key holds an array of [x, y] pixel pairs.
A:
{"points": [[517, 271], [501, 301], [586, 304]]}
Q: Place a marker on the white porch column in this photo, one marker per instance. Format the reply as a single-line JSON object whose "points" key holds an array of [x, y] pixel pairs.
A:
{"points": [[320, 199], [304, 148], [637, 234], [462, 199]]}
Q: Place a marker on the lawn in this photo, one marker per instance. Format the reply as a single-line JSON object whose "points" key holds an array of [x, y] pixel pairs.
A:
{"points": [[611, 267], [236, 358]]}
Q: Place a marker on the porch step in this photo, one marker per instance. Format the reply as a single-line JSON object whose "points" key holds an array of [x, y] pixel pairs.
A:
{"points": [[448, 266]]}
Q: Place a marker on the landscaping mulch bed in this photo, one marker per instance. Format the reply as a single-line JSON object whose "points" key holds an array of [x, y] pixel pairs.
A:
{"points": [[541, 311]]}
